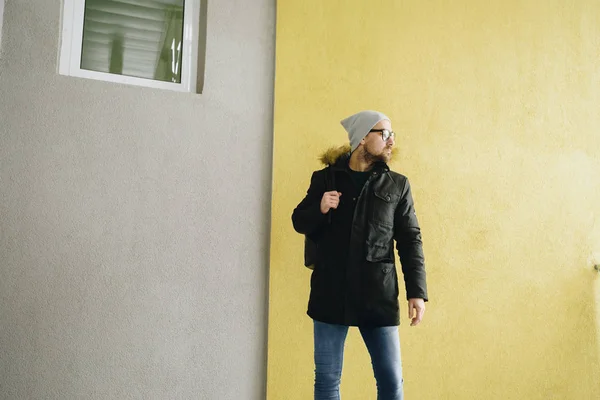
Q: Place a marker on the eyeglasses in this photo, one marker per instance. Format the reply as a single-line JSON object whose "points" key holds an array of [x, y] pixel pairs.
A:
{"points": [[385, 134]]}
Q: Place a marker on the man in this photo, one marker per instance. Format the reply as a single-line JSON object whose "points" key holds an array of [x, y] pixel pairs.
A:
{"points": [[354, 281]]}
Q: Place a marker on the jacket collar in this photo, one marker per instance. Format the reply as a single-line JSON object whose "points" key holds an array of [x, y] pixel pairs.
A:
{"points": [[338, 157]]}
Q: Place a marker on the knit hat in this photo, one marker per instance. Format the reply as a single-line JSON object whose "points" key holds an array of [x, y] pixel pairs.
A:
{"points": [[359, 125]]}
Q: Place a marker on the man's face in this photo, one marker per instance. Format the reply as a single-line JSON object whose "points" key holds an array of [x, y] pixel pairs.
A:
{"points": [[374, 146]]}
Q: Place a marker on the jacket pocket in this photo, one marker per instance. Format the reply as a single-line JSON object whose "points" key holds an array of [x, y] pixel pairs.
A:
{"points": [[379, 252], [383, 208], [380, 283], [383, 196], [379, 243]]}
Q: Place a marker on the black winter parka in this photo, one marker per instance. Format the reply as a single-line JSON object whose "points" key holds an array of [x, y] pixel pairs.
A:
{"points": [[354, 281]]}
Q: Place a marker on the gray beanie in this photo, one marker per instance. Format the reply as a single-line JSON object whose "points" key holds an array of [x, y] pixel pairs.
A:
{"points": [[359, 125]]}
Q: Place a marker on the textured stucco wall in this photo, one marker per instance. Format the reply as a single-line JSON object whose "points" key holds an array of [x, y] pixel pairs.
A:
{"points": [[134, 222], [496, 108]]}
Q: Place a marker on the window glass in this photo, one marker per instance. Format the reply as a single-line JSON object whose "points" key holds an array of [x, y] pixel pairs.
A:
{"points": [[138, 38]]}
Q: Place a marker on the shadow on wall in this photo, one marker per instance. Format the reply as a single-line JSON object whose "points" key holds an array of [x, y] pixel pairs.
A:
{"points": [[1, 20], [594, 262], [202, 45]]}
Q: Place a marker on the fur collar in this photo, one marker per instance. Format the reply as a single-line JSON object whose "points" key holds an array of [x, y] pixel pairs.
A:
{"points": [[335, 155]]}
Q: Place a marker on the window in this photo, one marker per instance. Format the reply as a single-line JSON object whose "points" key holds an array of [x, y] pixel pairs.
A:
{"points": [[140, 42]]}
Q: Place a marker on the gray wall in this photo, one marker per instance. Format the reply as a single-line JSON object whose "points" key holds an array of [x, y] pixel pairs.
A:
{"points": [[134, 222]]}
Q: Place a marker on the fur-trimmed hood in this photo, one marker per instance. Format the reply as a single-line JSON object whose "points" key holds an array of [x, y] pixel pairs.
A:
{"points": [[334, 154]]}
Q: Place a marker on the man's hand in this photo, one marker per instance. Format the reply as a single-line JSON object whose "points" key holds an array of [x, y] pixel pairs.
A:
{"points": [[416, 306], [330, 200]]}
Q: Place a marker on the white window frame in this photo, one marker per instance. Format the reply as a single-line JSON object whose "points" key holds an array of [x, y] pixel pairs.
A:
{"points": [[72, 38]]}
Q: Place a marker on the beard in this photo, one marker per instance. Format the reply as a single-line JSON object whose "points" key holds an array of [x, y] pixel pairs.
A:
{"points": [[384, 156]]}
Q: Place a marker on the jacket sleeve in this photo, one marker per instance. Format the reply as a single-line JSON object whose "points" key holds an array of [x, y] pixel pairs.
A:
{"points": [[407, 234], [307, 217]]}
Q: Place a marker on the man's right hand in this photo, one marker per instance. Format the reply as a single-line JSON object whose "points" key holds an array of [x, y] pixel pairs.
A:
{"points": [[330, 200]]}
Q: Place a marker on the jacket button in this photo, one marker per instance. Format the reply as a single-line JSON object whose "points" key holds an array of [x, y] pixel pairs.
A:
{"points": [[388, 198]]}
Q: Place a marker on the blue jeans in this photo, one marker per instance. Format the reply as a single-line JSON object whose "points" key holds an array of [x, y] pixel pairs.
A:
{"points": [[383, 344]]}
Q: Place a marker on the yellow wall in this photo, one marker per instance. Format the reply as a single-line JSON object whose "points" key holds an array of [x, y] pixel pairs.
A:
{"points": [[497, 105]]}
